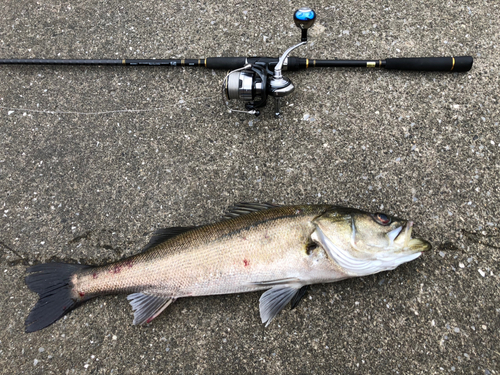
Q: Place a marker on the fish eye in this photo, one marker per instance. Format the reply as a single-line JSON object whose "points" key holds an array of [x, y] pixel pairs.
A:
{"points": [[382, 219]]}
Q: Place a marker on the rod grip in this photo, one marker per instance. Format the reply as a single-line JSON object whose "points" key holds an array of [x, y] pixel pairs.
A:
{"points": [[227, 63], [442, 64]]}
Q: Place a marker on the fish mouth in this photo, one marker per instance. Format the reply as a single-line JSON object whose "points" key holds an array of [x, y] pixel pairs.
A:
{"points": [[402, 238]]}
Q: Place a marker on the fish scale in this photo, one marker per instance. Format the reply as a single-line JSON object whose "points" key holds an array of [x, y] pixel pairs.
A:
{"points": [[211, 259]]}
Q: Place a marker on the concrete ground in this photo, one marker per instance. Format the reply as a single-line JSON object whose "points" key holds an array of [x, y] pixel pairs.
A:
{"points": [[93, 159]]}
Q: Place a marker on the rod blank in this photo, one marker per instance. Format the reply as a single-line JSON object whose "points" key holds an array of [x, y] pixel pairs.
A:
{"points": [[442, 64]]}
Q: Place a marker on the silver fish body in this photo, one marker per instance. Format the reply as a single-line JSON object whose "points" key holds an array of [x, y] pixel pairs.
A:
{"points": [[279, 249]]}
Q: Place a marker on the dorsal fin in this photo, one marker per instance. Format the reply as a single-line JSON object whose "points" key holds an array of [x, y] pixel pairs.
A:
{"points": [[163, 234], [244, 208]]}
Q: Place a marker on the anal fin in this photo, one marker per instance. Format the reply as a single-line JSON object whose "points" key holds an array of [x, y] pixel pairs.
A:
{"points": [[274, 300], [146, 306]]}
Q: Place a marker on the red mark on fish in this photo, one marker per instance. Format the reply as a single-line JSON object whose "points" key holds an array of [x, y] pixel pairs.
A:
{"points": [[81, 294], [94, 275], [246, 262]]}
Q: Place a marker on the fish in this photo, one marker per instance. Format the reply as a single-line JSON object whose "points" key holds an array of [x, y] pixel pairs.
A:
{"points": [[278, 249]]}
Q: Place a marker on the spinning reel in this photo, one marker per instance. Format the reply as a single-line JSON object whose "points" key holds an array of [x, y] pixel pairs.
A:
{"points": [[254, 82]]}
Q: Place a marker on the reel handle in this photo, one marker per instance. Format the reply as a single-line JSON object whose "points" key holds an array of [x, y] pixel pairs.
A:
{"points": [[304, 18]]}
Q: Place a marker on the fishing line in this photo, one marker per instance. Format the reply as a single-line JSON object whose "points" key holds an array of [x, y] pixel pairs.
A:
{"points": [[56, 112]]}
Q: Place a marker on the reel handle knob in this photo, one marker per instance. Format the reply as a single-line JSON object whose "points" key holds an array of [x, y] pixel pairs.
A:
{"points": [[304, 18]]}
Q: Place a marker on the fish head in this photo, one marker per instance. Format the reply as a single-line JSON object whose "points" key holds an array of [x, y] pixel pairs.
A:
{"points": [[363, 243]]}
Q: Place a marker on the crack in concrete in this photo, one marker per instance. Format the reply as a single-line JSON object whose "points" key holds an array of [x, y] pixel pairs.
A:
{"points": [[11, 250], [80, 237], [87, 236], [479, 238]]}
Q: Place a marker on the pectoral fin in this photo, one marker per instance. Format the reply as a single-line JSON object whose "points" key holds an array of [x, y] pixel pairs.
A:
{"points": [[274, 300], [146, 307], [281, 282], [298, 296]]}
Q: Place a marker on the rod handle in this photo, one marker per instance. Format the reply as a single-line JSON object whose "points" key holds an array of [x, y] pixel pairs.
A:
{"points": [[226, 63], [442, 64]]}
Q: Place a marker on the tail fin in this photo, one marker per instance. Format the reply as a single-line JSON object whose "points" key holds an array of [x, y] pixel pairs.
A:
{"points": [[52, 282]]}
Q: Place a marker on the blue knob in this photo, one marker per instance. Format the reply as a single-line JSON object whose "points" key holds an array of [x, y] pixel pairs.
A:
{"points": [[304, 18]]}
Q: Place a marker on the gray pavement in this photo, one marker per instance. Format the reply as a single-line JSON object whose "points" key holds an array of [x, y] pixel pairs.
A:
{"points": [[93, 160]]}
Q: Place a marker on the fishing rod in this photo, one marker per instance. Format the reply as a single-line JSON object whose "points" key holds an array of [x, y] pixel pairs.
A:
{"points": [[254, 79]]}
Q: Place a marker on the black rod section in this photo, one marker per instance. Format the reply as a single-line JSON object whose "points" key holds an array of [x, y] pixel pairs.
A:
{"points": [[59, 62], [344, 63], [150, 62], [440, 64]]}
